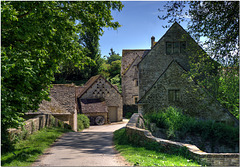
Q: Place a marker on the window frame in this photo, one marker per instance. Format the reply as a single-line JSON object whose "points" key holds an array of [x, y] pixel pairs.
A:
{"points": [[176, 95], [176, 47], [134, 99]]}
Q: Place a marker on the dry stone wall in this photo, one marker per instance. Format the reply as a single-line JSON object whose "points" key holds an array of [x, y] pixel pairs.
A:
{"points": [[34, 124], [212, 159]]}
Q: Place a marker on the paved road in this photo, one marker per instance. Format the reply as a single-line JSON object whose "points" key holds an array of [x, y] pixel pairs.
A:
{"points": [[91, 147]]}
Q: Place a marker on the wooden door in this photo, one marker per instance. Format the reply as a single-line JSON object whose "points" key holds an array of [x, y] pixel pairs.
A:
{"points": [[112, 113]]}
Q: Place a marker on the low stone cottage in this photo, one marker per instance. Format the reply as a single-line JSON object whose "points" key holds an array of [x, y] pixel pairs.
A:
{"points": [[62, 105], [98, 97]]}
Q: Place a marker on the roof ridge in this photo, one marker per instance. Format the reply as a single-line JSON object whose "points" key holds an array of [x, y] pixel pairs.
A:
{"points": [[160, 77], [162, 37], [128, 67], [91, 81]]}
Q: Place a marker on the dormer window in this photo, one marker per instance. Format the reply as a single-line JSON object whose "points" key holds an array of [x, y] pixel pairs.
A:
{"points": [[175, 47]]}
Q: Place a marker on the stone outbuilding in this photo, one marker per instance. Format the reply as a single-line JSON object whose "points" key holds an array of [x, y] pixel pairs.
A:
{"points": [[62, 105], [98, 97]]}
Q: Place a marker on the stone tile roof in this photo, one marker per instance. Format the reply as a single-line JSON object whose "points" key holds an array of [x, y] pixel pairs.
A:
{"points": [[93, 106], [129, 56]]}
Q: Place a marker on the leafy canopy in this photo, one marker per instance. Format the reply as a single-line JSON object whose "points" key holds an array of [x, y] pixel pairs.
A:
{"points": [[38, 38]]}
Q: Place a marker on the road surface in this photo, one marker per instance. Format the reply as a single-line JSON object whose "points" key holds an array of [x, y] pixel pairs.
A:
{"points": [[91, 147]]}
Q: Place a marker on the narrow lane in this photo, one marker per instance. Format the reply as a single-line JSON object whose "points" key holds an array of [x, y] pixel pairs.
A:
{"points": [[91, 147]]}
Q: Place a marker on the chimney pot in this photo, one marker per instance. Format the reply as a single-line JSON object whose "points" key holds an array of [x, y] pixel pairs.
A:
{"points": [[152, 41]]}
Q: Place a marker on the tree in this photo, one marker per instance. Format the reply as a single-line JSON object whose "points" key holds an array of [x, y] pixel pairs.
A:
{"points": [[37, 39], [111, 68], [113, 56], [218, 23], [115, 68]]}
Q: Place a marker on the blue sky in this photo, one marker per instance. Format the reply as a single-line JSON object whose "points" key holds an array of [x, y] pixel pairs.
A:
{"points": [[139, 20]]}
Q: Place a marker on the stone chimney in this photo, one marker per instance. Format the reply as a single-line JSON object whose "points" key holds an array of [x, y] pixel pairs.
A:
{"points": [[152, 41]]}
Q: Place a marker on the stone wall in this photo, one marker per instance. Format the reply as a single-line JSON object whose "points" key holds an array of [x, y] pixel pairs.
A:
{"points": [[157, 60], [34, 124], [129, 74], [212, 159], [193, 99]]}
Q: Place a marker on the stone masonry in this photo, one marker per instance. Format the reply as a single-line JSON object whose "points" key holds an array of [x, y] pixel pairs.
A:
{"points": [[129, 74], [99, 88], [134, 129]]}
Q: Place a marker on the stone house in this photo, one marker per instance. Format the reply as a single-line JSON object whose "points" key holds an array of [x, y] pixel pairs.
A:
{"points": [[161, 83], [129, 74], [61, 106], [98, 97]]}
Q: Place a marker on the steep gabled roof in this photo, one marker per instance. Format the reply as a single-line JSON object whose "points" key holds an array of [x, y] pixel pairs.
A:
{"points": [[173, 61], [170, 29], [91, 81], [139, 52]]}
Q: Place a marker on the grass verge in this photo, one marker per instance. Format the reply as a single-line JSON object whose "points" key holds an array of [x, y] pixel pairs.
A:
{"points": [[27, 151], [141, 156]]}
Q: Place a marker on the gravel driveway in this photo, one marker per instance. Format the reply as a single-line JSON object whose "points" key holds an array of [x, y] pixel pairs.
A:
{"points": [[91, 147]]}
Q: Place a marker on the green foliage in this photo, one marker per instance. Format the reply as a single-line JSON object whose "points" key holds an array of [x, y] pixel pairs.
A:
{"points": [[209, 19], [151, 154], [38, 40], [220, 28], [82, 122], [111, 69], [228, 90], [129, 110], [117, 81], [174, 121], [113, 56], [27, 151]]}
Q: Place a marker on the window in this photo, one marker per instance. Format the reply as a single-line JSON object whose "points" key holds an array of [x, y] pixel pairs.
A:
{"points": [[136, 82], [135, 99], [175, 47], [174, 95], [169, 48], [182, 47]]}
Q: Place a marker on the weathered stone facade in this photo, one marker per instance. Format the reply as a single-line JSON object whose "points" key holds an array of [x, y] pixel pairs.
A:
{"points": [[129, 74], [161, 83], [99, 88], [157, 60], [187, 95]]}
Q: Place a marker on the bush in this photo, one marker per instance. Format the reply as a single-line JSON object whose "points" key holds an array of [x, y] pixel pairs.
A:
{"points": [[82, 122], [129, 110], [173, 120]]}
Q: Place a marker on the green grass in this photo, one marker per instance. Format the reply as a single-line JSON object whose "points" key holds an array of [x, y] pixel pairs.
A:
{"points": [[140, 156], [27, 151]]}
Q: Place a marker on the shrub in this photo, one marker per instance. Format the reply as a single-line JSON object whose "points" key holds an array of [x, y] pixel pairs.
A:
{"points": [[82, 122], [173, 120], [129, 110]]}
